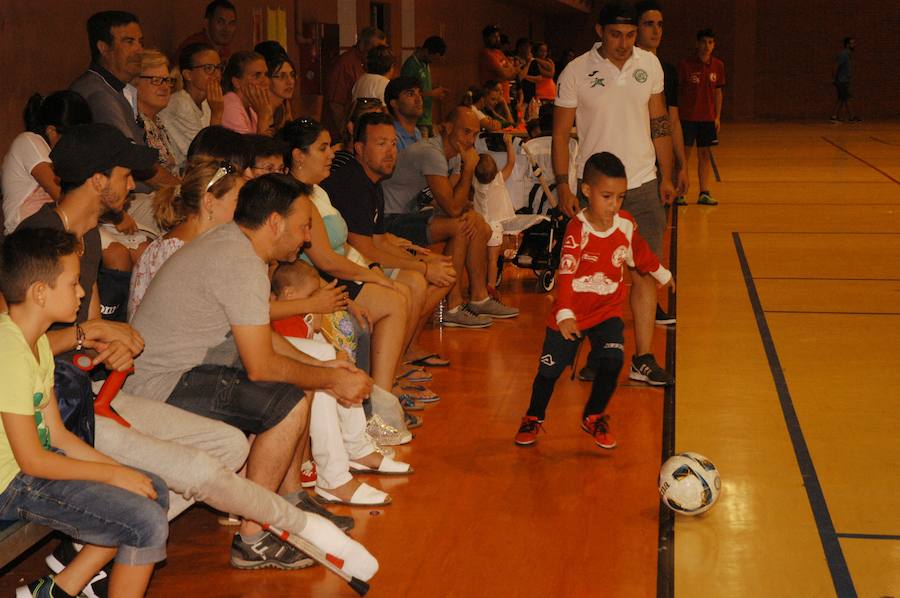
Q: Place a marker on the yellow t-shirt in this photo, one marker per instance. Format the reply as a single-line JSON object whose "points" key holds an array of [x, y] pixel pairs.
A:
{"points": [[26, 387]]}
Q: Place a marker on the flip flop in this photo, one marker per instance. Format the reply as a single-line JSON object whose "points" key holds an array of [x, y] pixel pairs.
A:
{"points": [[432, 361], [415, 375], [423, 395], [408, 402]]}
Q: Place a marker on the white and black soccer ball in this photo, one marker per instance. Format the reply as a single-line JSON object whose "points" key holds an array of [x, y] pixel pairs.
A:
{"points": [[689, 483]]}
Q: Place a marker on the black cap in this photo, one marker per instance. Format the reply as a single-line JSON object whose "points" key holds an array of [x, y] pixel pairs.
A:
{"points": [[490, 29], [618, 13], [85, 150], [397, 86]]}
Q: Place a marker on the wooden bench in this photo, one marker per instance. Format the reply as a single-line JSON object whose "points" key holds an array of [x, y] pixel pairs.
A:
{"points": [[18, 536]]}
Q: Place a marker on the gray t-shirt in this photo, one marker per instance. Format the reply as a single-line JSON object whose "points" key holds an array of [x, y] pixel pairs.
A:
{"points": [[421, 159], [213, 283]]}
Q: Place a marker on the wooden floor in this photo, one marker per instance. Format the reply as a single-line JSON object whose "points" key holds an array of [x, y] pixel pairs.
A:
{"points": [[787, 352]]}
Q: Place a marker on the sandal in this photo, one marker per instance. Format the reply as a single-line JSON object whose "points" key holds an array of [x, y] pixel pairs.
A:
{"points": [[415, 375], [432, 361], [408, 402], [423, 395], [387, 467], [365, 496]]}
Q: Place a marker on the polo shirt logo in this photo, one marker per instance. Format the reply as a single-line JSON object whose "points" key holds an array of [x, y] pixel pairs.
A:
{"points": [[597, 81], [640, 76]]}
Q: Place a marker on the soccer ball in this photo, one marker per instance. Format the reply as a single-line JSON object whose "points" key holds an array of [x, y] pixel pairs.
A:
{"points": [[689, 483]]}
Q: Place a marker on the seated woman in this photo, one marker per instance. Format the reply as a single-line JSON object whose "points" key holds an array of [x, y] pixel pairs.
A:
{"points": [[282, 77], [199, 103], [28, 177], [205, 199], [246, 86], [388, 303], [494, 107]]}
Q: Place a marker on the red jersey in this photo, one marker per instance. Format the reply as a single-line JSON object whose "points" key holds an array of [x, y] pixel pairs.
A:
{"points": [[591, 272], [490, 61], [697, 85]]}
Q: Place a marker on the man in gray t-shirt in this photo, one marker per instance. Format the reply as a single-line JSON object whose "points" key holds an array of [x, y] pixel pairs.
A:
{"points": [[440, 169]]}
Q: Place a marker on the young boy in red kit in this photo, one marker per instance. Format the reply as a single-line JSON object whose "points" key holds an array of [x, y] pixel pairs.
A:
{"points": [[598, 243]]}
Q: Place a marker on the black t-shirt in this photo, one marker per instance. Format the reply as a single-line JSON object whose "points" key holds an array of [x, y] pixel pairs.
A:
{"points": [[670, 81], [357, 198], [46, 217]]}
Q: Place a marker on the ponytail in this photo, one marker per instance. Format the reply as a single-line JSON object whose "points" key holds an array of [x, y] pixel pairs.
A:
{"points": [[164, 209]]}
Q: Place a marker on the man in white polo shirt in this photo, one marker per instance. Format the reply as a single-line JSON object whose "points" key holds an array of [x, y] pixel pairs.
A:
{"points": [[616, 92]]}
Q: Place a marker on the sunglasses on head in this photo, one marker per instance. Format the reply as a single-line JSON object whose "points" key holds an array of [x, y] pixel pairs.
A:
{"points": [[225, 169]]}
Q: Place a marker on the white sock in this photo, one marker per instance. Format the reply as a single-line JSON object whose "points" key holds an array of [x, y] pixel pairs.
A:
{"points": [[324, 534], [482, 302]]}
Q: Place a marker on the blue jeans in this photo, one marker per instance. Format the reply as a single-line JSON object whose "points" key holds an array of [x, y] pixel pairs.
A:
{"points": [[94, 513]]}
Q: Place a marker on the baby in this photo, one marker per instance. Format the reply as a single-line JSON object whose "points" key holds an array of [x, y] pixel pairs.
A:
{"points": [[492, 201]]}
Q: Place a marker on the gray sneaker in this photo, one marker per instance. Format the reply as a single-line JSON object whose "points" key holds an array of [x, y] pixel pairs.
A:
{"points": [[268, 552], [464, 317], [493, 309]]}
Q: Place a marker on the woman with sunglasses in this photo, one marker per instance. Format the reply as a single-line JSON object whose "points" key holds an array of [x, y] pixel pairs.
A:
{"points": [[246, 86], [282, 78], [206, 199], [199, 104]]}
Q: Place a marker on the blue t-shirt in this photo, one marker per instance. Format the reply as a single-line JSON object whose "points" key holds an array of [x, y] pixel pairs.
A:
{"points": [[404, 139]]}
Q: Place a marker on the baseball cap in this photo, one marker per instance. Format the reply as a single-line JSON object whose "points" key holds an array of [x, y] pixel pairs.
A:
{"points": [[616, 13], [397, 86], [88, 149]]}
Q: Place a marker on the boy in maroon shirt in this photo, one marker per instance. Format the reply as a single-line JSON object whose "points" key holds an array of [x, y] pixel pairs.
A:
{"points": [[700, 82], [598, 243]]}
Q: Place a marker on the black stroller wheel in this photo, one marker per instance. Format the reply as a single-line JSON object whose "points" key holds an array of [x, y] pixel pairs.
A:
{"points": [[547, 280]]}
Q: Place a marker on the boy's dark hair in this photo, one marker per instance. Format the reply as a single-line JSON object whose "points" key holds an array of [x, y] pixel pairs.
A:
{"points": [[290, 274], [32, 255], [705, 33], [396, 86], [186, 56], [645, 6], [215, 5], [266, 195], [379, 60], [603, 164], [263, 146], [369, 119], [100, 26], [216, 141], [435, 45]]}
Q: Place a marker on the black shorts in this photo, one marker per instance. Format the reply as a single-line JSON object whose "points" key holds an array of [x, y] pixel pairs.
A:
{"points": [[843, 90], [607, 340], [701, 131], [413, 227], [354, 287], [226, 394]]}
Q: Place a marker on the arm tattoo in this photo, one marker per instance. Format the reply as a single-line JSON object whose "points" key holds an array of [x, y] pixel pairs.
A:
{"points": [[660, 127]]}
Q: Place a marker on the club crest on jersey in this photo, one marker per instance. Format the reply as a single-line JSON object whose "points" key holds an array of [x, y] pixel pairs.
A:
{"points": [[568, 264], [598, 283], [569, 243], [640, 76], [619, 256]]}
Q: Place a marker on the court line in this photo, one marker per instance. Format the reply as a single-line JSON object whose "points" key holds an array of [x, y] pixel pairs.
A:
{"points": [[879, 140], [834, 555], [867, 163], [665, 560], [869, 536], [826, 278], [832, 313]]}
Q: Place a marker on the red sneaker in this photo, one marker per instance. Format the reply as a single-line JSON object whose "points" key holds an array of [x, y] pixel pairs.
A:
{"points": [[598, 427], [528, 431], [308, 475]]}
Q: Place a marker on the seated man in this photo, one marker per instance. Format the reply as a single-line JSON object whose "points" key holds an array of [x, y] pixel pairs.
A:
{"points": [[196, 456], [355, 190], [117, 46], [219, 26], [433, 166], [403, 98]]}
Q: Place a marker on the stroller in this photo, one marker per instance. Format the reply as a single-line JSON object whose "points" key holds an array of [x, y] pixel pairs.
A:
{"points": [[541, 223]]}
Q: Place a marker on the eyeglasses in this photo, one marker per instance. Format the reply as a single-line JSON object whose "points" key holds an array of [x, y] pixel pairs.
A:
{"points": [[209, 69], [270, 169], [225, 169], [157, 81], [286, 76]]}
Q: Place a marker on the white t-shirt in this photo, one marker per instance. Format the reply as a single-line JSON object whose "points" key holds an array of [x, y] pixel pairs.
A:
{"points": [[183, 119], [612, 113], [492, 200], [27, 151], [370, 86]]}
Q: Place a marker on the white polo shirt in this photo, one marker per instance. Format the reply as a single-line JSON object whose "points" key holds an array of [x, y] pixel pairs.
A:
{"points": [[611, 109]]}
